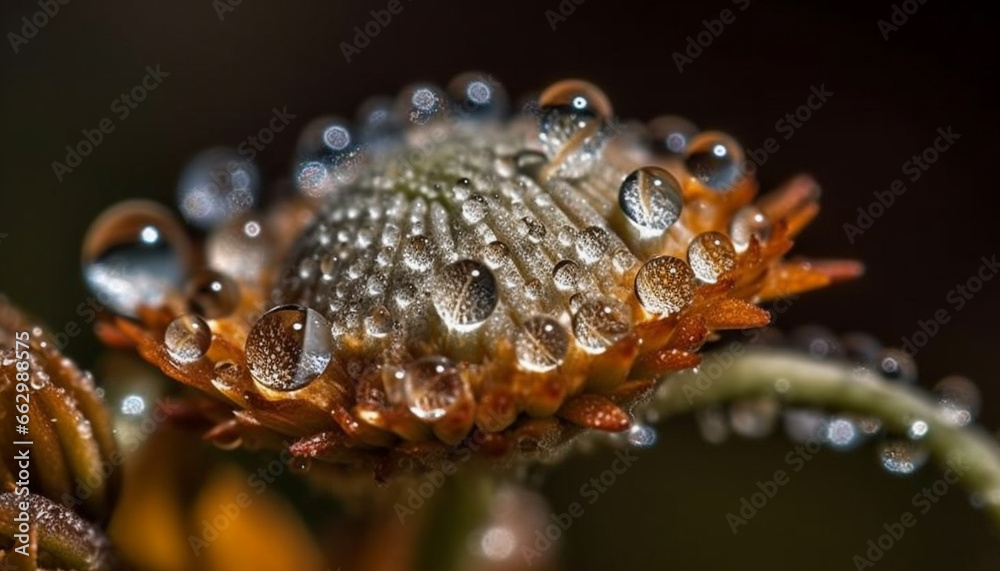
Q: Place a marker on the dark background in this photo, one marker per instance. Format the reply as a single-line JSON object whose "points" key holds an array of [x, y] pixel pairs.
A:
{"points": [[889, 98]]}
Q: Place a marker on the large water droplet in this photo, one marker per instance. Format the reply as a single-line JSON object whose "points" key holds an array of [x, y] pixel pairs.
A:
{"points": [[671, 135], [465, 294], [217, 185], [187, 338], [651, 199], [748, 221], [329, 156], [133, 255], [901, 456], [573, 126], [958, 400], [566, 274], [212, 295], [541, 344], [433, 386], [710, 255], [477, 96], [288, 347], [715, 160], [600, 323], [242, 249], [664, 285]]}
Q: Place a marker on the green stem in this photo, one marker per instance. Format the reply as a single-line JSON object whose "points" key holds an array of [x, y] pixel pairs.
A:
{"points": [[839, 386]]}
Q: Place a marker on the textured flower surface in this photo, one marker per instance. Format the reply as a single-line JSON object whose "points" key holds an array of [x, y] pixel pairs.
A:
{"points": [[446, 274]]}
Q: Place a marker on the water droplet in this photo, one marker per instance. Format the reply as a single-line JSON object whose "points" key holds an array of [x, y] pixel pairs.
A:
{"points": [[133, 405], [288, 347], [710, 255], [623, 260], [533, 229], [671, 134], [496, 254], [754, 418], [418, 252], [651, 199], [329, 156], [818, 341], [376, 122], [573, 125], [134, 254], [842, 433], [497, 543], [529, 162], [748, 221], [433, 386], [465, 294], [896, 365], [592, 244], [215, 186], [958, 400], [541, 344], [901, 456], [715, 160], [712, 425], [599, 324], [475, 208], [918, 429], [804, 425], [379, 322], [187, 338], [241, 248], [405, 294], [477, 96], [212, 295], [419, 104], [641, 435], [534, 289], [664, 285], [566, 274]]}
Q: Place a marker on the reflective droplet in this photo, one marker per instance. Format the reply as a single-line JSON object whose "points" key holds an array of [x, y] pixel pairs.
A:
{"points": [[651, 199], [566, 274], [328, 156], [748, 221], [842, 433], [379, 322], [241, 248], [133, 405], [419, 104], [803, 425], [497, 543], [671, 135], [418, 252], [377, 125], [533, 229], [599, 324], [896, 365], [664, 285], [592, 244], [465, 294], [134, 254], [496, 254], [901, 456], [641, 435], [541, 344], [212, 295], [918, 429], [530, 162], [187, 338], [477, 96], [817, 341], [623, 260], [573, 125], [288, 347], [475, 208], [710, 255], [215, 186], [433, 386], [958, 400], [715, 160]]}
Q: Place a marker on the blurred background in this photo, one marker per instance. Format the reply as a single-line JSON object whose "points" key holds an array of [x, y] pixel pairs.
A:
{"points": [[231, 64]]}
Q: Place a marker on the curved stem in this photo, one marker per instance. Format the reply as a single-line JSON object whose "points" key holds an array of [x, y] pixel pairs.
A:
{"points": [[839, 386]]}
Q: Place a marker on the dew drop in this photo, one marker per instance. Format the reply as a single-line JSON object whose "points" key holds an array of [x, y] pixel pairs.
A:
{"points": [[477, 96], [541, 344], [475, 208], [215, 186], [641, 435], [496, 254], [212, 295], [715, 160], [754, 418], [418, 252], [671, 135], [748, 221], [664, 285], [529, 162], [465, 294], [573, 125], [379, 322], [377, 125], [533, 229], [187, 338], [288, 347], [901, 456], [566, 274], [433, 386], [419, 104], [896, 365], [592, 244], [242, 249], [599, 324], [842, 433], [710, 255], [958, 400], [328, 157], [405, 295], [134, 254], [651, 199], [623, 260]]}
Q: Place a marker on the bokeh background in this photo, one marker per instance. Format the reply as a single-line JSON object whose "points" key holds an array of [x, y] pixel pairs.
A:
{"points": [[225, 76]]}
